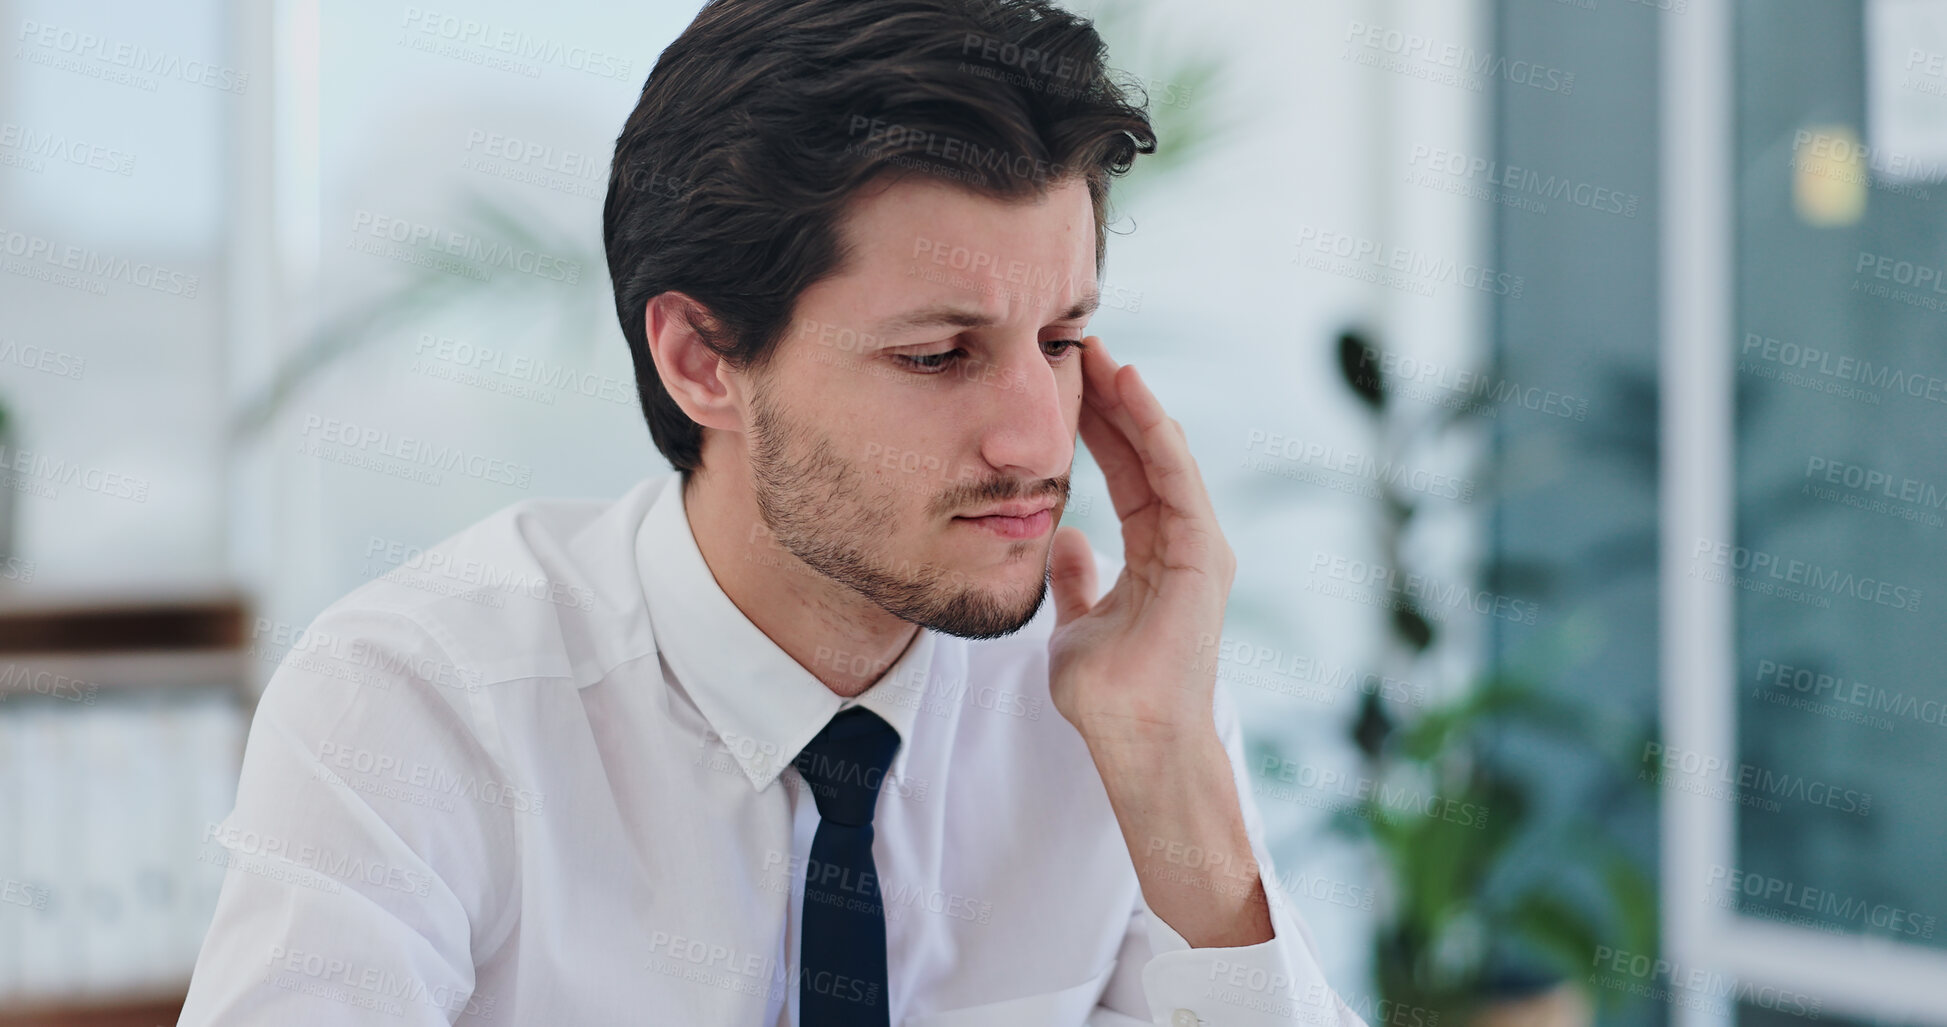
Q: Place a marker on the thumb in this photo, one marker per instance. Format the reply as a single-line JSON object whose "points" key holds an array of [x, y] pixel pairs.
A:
{"points": [[1071, 574]]}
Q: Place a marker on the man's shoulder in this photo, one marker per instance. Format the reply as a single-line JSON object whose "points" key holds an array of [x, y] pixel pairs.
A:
{"points": [[539, 588]]}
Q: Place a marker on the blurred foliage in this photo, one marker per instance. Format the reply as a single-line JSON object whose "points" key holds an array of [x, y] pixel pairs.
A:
{"points": [[1457, 930], [1180, 86], [1463, 920], [424, 291]]}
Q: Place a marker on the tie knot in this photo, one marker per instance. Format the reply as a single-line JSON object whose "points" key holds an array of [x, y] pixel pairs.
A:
{"points": [[845, 764]]}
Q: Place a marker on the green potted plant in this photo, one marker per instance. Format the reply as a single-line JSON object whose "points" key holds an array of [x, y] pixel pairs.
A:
{"points": [[1489, 910]]}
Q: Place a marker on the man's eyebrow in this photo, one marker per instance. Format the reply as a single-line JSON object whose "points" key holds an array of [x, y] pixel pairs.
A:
{"points": [[967, 317]]}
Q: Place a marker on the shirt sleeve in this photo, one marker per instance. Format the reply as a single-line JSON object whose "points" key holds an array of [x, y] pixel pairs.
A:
{"points": [[366, 842], [1276, 983]]}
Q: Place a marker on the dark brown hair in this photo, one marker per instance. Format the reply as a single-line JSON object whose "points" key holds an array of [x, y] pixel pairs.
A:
{"points": [[761, 120]]}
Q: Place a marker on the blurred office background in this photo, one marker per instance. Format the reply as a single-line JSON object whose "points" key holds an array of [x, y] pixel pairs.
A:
{"points": [[1566, 373]]}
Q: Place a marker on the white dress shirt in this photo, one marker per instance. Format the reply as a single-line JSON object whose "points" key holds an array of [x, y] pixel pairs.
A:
{"points": [[540, 774]]}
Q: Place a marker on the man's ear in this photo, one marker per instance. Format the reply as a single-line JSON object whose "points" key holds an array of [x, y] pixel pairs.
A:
{"points": [[698, 380]]}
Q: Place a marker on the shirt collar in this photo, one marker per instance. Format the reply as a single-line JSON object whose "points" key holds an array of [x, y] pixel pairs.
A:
{"points": [[764, 705]]}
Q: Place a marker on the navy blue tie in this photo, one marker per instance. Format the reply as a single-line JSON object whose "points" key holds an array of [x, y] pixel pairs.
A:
{"points": [[842, 946]]}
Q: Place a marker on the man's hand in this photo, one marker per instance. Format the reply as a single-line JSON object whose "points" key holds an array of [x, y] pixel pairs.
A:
{"points": [[1127, 671], [1128, 666]]}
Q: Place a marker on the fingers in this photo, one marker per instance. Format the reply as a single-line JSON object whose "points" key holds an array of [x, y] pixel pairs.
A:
{"points": [[1142, 439], [1122, 468], [1071, 573], [1110, 443], [1099, 386], [1165, 451]]}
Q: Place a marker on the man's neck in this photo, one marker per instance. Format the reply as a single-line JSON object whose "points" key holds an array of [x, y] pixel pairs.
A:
{"points": [[845, 641]]}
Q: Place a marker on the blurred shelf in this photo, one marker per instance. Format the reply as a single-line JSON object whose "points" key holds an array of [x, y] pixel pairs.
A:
{"points": [[75, 643], [142, 670], [156, 1010], [101, 621]]}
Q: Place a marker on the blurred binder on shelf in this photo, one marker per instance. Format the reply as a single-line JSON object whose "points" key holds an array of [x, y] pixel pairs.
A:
{"points": [[121, 733]]}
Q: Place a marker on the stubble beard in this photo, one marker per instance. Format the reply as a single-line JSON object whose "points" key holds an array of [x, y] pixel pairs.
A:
{"points": [[815, 504]]}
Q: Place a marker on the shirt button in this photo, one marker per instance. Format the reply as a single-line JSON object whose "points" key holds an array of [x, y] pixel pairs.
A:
{"points": [[1184, 1018]]}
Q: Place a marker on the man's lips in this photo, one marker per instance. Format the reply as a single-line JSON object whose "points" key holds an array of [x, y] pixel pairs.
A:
{"points": [[1018, 508], [1032, 522]]}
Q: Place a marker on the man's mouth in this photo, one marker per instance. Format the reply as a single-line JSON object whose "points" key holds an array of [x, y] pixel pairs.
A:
{"points": [[1014, 520]]}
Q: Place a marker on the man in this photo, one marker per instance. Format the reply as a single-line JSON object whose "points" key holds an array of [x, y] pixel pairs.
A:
{"points": [[793, 736]]}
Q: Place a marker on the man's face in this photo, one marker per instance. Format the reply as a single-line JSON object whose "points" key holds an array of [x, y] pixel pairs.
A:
{"points": [[933, 381]]}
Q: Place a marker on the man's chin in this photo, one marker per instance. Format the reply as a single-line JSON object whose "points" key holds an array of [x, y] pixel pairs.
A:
{"points": [[979, 609]]}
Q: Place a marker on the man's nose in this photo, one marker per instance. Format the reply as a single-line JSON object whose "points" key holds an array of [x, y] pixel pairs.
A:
{"points": [[1027, 431]]}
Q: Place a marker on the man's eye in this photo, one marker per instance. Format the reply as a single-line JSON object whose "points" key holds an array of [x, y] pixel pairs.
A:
{"points": [[930, 363], [935, 363], [1065, 344]]}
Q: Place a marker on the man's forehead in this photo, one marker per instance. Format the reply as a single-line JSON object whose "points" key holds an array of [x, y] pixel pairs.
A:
{"points": [[938, 255]]}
